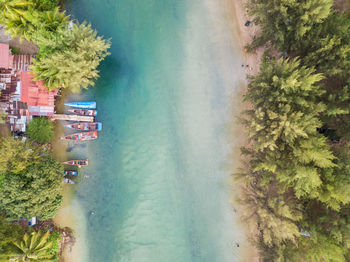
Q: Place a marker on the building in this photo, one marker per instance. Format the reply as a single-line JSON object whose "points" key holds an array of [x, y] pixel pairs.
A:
{"points": [[40, 101], [20, 96], [6, 58]]}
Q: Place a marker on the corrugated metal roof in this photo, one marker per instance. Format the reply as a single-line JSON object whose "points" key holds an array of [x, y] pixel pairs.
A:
{"points": [[6, 58]]}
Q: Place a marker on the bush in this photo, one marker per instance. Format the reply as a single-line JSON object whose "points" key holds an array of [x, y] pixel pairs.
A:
{"points": [[40, 129]]}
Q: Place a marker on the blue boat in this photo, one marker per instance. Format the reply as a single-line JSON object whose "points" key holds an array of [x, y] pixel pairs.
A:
{"points": [[70, 172], [86, 105]]}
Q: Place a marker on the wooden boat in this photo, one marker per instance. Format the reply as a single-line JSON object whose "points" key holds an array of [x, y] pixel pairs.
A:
{"points": [[70, 172], [88, 105], [69, 181], [95, 126], [83, 111], [78, 163], [83, 136]]}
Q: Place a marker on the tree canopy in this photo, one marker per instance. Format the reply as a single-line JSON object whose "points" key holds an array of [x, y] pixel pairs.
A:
{"points": [[40, 129], [69, 52], [33, 186], [295, 184], [73, 59]]}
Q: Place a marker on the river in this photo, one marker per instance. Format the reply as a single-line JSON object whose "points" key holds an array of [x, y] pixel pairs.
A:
{"points": [[160, 172]]}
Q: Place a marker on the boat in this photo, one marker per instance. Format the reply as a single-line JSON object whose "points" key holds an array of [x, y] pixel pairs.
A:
{"points": [[95, 126], [69, 181], [78, 163], [82, 136], [83, 111], [87, 105], [70, 172]]}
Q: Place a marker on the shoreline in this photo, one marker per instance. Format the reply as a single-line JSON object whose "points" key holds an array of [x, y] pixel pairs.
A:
{"points": [[245, 37]]}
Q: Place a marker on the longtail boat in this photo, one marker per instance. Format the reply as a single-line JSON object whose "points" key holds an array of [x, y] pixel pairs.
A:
{"points": [[83, 111], [95, 126], [69, 181], [70, 172], [83, 136], [78, 163], [88, 105]]}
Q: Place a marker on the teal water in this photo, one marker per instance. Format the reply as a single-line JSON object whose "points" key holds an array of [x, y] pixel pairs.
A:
{"points": [[159, 173]]}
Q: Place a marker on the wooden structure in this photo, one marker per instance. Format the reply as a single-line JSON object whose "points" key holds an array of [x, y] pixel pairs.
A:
{"points": [[75, 118]]}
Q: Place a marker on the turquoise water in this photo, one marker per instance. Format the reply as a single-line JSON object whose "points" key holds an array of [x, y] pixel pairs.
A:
{"points": [[159, 175]]}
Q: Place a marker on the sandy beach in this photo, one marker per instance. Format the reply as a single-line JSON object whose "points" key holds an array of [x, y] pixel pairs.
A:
{"points": [[246, 35]]}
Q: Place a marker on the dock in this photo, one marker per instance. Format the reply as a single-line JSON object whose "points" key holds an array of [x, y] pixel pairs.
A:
{"points": [[74, 118]]}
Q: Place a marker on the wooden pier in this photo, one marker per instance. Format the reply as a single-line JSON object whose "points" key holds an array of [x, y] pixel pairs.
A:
{"points": [[74, 118]]}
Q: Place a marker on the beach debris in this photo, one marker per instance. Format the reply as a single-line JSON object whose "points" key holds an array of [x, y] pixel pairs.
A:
{"points": [[248, 23], [237, 244], [91, 212]]}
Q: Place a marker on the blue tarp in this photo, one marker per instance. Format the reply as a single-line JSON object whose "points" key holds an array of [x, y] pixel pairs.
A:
{"points": [[87, 105]]}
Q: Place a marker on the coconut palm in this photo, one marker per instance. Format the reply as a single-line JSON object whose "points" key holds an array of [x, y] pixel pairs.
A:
{"points": [[34, 247], [13, 10]]}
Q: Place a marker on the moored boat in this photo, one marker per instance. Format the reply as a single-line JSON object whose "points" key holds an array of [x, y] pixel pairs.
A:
{"points": [[78, 163], [70, 172], [88, 105], [83, 111], [82, 136], [69, 181], [95, 126]]}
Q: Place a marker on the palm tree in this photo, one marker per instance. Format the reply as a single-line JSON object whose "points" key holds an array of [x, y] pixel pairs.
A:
{"points": [[34, 247], [13, 10]]}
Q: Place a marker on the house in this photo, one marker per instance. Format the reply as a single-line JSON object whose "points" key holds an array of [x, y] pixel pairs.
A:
{"points": [[40, 101], [20, 96]]}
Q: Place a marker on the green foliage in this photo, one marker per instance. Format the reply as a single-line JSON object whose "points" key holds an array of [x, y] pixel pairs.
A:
{"points": [[330, 54], [283, 123], [32, 181], [16, 155], [73, 60], [8, 234], [54, 238], [40, 129], [284, 22], [34, 247], [69, 54]]}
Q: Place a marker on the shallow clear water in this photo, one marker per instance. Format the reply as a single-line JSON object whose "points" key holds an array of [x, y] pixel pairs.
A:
{"points": [[159, 177]]}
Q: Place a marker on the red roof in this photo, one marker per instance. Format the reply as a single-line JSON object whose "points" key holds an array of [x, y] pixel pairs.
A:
{"points": [[6, 58], [35, 94]]}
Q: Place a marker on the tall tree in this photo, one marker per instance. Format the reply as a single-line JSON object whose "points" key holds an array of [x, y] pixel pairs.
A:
{"points": [[282, 126], [31, 182], [74, 64], [286, 21]]}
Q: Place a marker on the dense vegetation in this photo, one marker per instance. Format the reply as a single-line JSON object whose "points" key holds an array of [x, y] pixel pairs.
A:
{"points": [[40, 129], [27, 246], [31, 180], [69, 53], [296, 183]]}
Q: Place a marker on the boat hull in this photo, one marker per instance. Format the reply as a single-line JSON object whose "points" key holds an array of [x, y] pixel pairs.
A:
{"points": [[77, 163], [95, 126], [82, 136], [87, 105], [83, 112]]}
